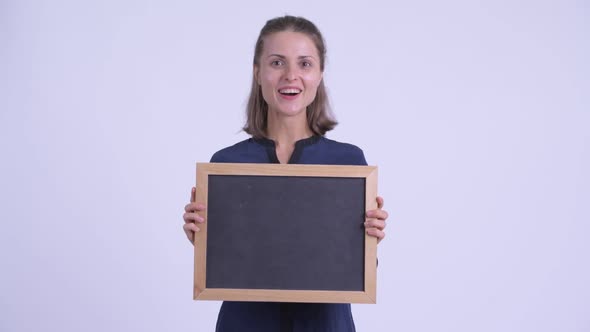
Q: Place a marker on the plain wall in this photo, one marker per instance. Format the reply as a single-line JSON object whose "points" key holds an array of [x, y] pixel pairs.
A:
{"points": [[476, 112]]}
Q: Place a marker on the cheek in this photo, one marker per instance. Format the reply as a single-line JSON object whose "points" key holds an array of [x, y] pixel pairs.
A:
{"points": [[267, 81], [313, 83], [266, 86]]}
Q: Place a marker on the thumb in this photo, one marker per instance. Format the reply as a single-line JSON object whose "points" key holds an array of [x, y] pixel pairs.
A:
{"points": [[380, 202]]}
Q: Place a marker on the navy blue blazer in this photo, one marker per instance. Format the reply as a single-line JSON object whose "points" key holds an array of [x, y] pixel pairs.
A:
{"points": [[279, 317]]}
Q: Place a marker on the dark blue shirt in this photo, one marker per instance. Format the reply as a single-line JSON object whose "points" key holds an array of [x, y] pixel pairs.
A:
{"points": [[279, 317]]}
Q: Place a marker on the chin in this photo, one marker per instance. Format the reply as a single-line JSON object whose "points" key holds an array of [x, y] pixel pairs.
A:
{"points": [[293, 113], [290, 111]]}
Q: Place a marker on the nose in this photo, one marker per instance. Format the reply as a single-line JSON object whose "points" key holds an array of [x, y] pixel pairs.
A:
{"points": [[291, 73]]}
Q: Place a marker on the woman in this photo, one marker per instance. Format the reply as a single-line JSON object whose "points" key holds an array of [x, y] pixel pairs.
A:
{"points": [[287, 117]]}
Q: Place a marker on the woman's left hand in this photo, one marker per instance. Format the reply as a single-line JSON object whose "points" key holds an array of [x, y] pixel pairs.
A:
{"points": [[375, 222]]}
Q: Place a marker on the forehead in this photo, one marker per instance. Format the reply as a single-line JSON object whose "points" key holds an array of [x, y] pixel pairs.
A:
{"points": [[289, 43]]}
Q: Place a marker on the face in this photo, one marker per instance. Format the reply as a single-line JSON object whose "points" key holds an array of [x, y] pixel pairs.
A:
{"points": [[288, 72]]}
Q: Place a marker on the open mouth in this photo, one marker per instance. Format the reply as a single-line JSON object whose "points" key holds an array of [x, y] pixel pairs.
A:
{"points": [[289, 92]]}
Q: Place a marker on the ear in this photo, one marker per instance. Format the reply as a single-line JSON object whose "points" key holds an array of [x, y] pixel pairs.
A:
{"points": [[256, 70]]}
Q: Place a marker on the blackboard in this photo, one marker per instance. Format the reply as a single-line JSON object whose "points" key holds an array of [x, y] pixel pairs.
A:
{"points": [[289, 233]]}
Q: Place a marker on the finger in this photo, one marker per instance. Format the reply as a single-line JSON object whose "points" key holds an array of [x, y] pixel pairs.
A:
{"points": [[376, 223], [380, 202], [193, 194], [190, 227], [374, 232], [379, 214], [189, 230], [193, 207], [192, 218]]}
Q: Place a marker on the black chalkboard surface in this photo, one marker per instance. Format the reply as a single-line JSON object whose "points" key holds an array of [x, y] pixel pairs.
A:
{"points": [[289, 233]]}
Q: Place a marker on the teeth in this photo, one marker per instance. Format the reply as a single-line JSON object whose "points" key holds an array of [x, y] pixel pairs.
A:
{"points": [[289, 91]]}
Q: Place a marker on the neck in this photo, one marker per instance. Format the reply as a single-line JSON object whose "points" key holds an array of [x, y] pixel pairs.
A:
{"points": [[286, 130]]}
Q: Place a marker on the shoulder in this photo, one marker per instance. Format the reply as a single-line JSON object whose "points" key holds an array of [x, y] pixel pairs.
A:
{"points": [[244, 151], [340, 146], [343, 153]]}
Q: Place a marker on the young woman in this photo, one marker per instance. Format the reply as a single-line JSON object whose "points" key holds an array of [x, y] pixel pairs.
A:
{"points": [[287, 117]]}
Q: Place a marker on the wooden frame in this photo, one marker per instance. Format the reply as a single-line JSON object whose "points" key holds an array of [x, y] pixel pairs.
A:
{"points": [[201, 292]]}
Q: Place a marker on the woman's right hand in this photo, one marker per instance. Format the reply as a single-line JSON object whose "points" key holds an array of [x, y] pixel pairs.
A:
{"points": [[192, 218]]}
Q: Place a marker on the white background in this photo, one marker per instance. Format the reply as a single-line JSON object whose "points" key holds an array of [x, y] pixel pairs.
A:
{"points": [[477, 114]]}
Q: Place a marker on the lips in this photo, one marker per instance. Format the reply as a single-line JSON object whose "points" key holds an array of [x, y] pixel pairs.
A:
{"points": [[289, 91]]}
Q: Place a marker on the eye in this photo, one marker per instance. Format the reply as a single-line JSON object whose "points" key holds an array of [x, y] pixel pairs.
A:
{"points": [[276, 63], [305, 64]]}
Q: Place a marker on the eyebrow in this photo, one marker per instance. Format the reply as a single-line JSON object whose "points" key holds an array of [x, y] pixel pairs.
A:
{"points": [[283, 57]]}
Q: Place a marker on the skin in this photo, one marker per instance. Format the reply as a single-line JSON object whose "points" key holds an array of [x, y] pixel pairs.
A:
{"points": [[289, 59]]}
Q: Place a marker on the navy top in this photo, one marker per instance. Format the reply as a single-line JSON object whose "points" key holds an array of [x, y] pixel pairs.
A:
{"points": [[274, 316]]}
